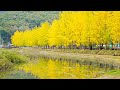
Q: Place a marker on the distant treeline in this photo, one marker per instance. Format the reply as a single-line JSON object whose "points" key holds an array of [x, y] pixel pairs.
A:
{"points": [[10, 21]]}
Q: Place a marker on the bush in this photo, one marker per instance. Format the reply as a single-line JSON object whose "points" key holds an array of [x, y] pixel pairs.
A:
{"points": [[14, 57], [5, 64]]}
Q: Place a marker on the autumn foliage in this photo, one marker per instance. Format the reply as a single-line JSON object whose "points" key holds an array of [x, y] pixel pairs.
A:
{"points": [[74, 29]]}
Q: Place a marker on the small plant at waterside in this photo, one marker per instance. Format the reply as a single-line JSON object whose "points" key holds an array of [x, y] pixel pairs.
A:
{"points": [[14, 57], [5, 64]]}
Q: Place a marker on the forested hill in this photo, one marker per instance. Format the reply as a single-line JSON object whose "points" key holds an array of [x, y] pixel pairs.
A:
{"points": [[10, 21]]}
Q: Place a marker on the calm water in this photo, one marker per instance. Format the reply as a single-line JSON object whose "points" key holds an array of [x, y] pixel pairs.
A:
{"points": [[53, 69]]}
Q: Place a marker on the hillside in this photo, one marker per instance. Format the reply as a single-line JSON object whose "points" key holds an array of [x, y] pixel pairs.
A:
{"points": [[21, 20]]}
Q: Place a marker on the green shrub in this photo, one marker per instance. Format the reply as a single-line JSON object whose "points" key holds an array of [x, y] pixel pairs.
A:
{"points": [[14, 57], [5, 64]]}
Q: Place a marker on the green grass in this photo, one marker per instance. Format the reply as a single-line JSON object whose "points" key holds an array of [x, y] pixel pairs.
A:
{"points": [[114, 72], [8, 59], [98, 52], [14, 57], [18, 75], [5, 65]]}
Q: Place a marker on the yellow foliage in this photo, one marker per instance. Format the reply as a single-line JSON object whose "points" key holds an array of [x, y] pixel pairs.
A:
{"points": [[73, 28]]}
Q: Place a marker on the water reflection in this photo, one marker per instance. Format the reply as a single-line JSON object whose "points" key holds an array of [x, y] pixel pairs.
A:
{"points": [[16, 74], [61, 69]]}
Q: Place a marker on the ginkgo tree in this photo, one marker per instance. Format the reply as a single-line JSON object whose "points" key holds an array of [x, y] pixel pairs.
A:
{"points": [[74, 29]]}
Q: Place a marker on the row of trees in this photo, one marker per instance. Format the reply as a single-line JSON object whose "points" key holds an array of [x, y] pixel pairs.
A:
{"points": [[74, 29]]}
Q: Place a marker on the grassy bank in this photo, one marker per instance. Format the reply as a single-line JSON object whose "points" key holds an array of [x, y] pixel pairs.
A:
{"points": [[98, 52], [80, 56], [113, 74], [9, 59]]}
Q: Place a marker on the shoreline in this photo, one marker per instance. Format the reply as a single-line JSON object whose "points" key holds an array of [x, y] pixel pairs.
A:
{"points": [[90, 59]]}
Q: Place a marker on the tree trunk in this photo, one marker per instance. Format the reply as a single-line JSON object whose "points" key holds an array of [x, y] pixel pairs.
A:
{"points": [[90, 47], [74, 47], [84, 47], [101, 46], [105, 46]]}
